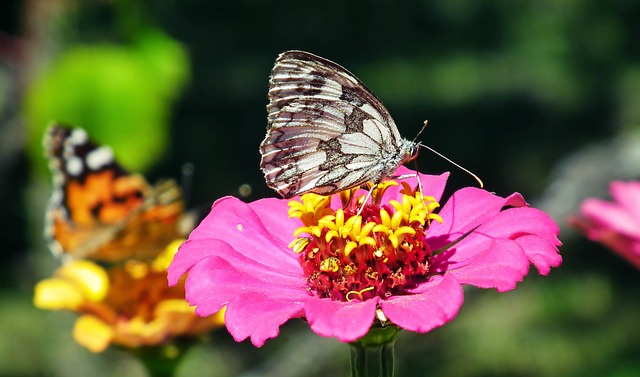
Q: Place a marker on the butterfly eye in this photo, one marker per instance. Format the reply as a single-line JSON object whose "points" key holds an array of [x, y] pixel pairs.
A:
{"points": [[413, 152]]}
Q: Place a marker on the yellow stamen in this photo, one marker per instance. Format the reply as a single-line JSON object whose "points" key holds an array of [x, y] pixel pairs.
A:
{"points": [[348, 248], [331, 235], [433, 216], [344, 248], [394, 240], [367, 241], [327, 222], [385, 219], [331, 264], [313, 230], [396, 219], [299, 244], [405, 230]]}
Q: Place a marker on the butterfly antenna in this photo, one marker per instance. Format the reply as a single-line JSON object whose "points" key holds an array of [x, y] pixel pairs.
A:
{"points": [[424, 126], [452, 163]]}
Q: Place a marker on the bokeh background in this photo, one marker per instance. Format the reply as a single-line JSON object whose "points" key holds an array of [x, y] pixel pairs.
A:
{"points": [[536, 96]]}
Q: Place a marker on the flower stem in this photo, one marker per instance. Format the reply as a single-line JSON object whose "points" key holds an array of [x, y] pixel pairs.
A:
{"points": [[160, 361], [372, 355]]}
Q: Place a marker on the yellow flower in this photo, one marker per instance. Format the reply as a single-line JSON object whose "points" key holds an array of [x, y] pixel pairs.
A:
{"points": [[129, 304]]}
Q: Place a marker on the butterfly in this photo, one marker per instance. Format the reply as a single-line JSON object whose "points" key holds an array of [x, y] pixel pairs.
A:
{"points": [[98, 210], [326, 131]]}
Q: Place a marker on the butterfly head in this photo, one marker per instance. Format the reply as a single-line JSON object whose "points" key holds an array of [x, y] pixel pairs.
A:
{"points": [[409, 150]]}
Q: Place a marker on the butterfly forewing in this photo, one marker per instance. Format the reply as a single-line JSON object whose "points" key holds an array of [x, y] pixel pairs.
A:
{"points": [[100, 211], [326, 131]]}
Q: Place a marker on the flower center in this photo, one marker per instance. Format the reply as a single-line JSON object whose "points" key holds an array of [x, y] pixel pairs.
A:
{"points": [[381, 251]]}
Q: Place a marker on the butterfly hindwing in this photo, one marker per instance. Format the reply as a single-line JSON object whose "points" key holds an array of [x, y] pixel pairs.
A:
{"points": [[100, 211], [326, 131]]}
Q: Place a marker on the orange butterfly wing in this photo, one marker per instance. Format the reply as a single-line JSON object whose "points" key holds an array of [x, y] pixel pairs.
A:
{"points": [[98, 210]]}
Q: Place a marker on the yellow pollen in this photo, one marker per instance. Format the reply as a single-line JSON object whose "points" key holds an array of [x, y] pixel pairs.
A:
{"points": [[379, 252], [331, 264], [350, 269], [357, 293], [313, 252], [239, 226], [406, 246], [299, 244]]}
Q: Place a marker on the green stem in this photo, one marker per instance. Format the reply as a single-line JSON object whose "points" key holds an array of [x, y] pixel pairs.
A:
{"points": [[160, 361], [373, 356]]}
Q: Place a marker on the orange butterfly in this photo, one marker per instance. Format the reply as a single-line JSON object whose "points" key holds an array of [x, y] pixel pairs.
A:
{"points": [[98, 210]]}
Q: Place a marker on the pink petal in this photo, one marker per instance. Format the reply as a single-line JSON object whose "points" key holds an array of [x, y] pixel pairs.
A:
{"points": [[542, 254], [612, 216], [347, 321], [628, 195], [238, 224], [203, 291], [188, 255], [510, 224], [273, 214], [500, 265], [497, 254], [466, 209], [235, 274], [259, 317], [435, 303]]}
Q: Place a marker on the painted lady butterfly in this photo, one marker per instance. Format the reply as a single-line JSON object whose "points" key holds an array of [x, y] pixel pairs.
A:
{"points": [[98, 210]]}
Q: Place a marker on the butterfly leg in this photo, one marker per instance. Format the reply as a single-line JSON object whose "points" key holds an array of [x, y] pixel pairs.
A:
{"points": [[366, 199]]}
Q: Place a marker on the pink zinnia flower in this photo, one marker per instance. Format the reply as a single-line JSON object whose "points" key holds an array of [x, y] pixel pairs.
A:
{"points": [[614, 224], [314, 257]]}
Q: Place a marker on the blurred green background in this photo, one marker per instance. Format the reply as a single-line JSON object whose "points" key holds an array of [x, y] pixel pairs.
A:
{"points": [[540, 97]]}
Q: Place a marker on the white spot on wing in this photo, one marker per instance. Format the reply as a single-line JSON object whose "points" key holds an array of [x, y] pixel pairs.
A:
{"points": [[99, 157], [74, 166], [78, 136]]}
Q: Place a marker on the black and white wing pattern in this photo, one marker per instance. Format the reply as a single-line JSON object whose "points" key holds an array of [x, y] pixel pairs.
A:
{"points": [[326, 131]]}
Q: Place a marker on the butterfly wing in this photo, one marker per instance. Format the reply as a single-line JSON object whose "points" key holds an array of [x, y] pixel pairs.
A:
{"points": [[326, 131], [100, 211]]}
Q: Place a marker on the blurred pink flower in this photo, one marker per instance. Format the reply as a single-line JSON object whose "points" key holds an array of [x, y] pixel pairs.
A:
{"points": [[614, 224], [396, 261]]}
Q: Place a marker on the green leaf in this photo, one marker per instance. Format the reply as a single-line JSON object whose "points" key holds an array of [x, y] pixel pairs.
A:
{"points": [[121, 95]]}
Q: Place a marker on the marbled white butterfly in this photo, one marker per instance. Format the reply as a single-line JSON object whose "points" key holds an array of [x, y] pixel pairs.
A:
{"points": [[326, 131]]}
